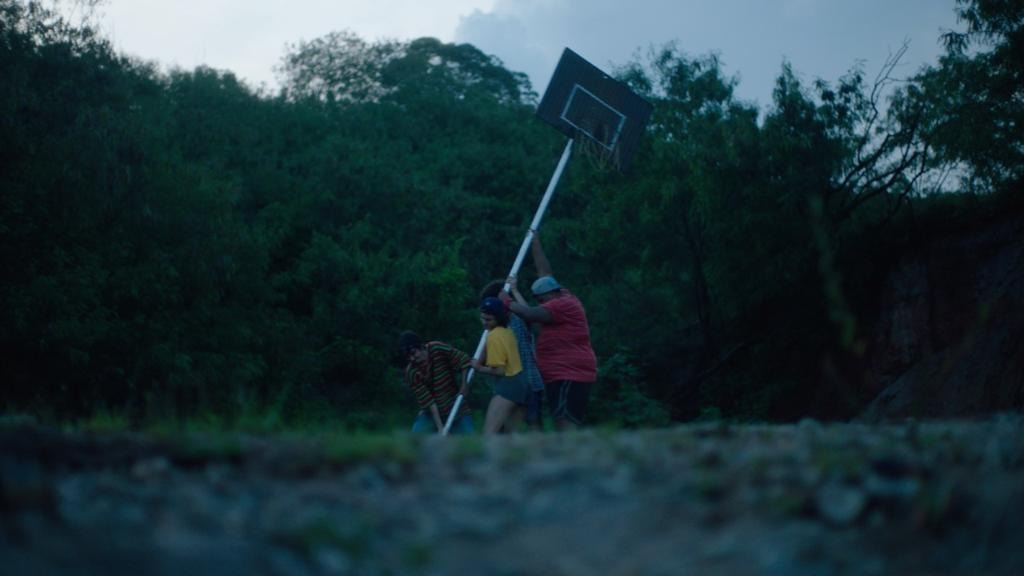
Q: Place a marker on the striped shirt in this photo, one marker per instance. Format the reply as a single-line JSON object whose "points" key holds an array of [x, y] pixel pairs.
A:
{"points": [[437, 380]]}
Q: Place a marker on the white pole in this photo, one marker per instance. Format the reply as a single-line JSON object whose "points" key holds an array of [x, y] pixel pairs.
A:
{"points": [[534, 226]]}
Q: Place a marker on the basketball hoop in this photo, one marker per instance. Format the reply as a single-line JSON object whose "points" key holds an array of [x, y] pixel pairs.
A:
{"points": [[597, 156], [601, 114]]}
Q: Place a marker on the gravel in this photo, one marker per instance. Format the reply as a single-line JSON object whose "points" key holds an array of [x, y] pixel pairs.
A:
{"points": [[809, 498]]}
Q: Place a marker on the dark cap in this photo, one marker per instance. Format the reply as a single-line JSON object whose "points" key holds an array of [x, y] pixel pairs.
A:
{"points": [[409, 341]]}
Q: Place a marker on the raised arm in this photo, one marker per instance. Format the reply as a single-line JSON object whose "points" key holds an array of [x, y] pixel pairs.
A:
{"points": [[514, 290], [540, 259], [534, 314]]}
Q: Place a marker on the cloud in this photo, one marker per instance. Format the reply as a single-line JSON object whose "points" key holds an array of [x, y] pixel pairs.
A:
{"points": [[506, 36], [752, 37], [249, 37], [821, 38]]}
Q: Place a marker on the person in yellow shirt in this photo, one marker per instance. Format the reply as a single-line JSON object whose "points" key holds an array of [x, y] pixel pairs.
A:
{"points": [[502, 363]]}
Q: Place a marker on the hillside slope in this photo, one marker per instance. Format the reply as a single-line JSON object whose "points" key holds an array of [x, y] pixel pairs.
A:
{"points": [[950, 337]]}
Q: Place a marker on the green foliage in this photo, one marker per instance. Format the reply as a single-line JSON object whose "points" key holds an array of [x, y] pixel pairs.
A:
{"points": [[179, 246], [347, 449], [618, 400], [181, 251], [973, 101], [342, 68]]}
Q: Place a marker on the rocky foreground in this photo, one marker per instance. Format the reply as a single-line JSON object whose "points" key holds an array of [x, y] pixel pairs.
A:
{"points": [[805, 499]]}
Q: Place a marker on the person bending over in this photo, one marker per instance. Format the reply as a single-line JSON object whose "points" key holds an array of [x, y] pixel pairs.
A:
{"points": [[435, 374]]}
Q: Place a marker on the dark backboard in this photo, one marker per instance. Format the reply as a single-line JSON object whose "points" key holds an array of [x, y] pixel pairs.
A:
{"points": [[583, 102]]}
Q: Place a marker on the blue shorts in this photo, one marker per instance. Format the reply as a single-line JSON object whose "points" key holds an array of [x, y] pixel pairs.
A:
{"points": [[512, 388]]}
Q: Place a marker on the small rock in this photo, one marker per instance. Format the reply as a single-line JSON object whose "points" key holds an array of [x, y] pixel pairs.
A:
{"points": [[333, 561], [151, 468], [885, 488], [840, 504]]}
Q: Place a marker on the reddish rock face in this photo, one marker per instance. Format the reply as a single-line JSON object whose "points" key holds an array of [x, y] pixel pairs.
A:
{"points": [[950, 336]]}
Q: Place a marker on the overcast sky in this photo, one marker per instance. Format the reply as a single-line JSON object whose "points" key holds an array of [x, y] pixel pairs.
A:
{"points": [[820, 38]]}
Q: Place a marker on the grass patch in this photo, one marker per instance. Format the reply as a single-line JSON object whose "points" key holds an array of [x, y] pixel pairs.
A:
{"points": [[417, 556], [710, 486], [465, 448], [348, 448], [189, 444], [104, 421], [838, 463], [321, 534]]}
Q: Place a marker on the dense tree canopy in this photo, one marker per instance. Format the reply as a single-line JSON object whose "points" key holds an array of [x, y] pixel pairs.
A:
{"points": [[176, 245], [974, 98]]}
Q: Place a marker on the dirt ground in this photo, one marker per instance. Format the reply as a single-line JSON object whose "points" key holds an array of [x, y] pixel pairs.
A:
{"points": [[809, 498]]}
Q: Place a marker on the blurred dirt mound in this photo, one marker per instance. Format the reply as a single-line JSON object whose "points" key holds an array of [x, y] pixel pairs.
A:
{"points": [[810, 498]]}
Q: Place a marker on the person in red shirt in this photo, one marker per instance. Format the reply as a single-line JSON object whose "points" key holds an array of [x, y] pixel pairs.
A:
{"points": [[564, 355]]}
